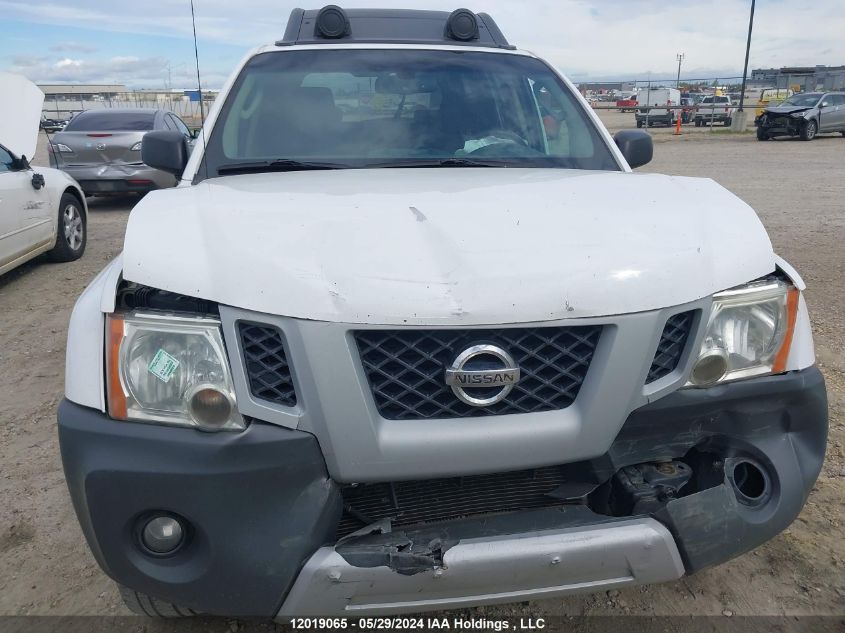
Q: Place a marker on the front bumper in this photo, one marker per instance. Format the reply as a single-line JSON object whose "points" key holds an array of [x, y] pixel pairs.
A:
{"points": [[264, 511], [118, 178], [780, 125]]}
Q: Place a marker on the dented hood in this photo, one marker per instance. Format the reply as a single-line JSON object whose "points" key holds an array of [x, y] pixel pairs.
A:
{"points": [[443, 246], [787, 109], [20, 112]]}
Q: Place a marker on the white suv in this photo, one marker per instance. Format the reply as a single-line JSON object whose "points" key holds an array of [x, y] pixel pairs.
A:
{"points": [[386, 348]]}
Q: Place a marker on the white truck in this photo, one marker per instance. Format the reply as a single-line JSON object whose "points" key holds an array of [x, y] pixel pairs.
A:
{"points": [[714, 109], [402, 356], [652, 106]]}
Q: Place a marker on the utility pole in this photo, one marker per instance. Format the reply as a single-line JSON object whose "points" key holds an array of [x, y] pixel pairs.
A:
{"points": [[739, 119], [680, 58], [747, 52]]}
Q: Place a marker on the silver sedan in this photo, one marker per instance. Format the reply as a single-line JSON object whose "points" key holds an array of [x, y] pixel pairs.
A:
{"points": [[101, 149]]}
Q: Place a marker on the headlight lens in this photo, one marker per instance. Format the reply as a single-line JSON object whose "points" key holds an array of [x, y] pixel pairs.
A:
{"points": [[136, 147], [749, 333], [170, 370]]}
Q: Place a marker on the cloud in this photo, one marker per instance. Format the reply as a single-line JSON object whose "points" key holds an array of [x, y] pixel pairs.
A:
{"points": [[586, 38], [67, 63], [72, 47]]}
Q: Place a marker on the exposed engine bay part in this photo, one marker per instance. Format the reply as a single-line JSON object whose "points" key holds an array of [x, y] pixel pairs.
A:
{"points": [[133, 296]]}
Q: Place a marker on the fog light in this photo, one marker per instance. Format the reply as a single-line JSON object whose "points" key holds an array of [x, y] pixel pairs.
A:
{"points": [[162, 534], [209, 407], [710, 367]]}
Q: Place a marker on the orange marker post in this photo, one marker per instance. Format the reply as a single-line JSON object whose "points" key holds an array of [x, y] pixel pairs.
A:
{"points": [[678, 127]]}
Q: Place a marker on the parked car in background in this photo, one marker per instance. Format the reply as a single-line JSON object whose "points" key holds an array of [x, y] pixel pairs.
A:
{"points": [[52, 125], [804, 115], [652, 104], [42, 210], [101, 149], [627, 104], [771, 96], [714, 109], [688, 110]]}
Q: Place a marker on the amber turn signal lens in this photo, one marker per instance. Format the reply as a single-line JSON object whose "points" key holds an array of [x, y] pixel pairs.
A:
{"points": [[792, 300], [115, 396]]}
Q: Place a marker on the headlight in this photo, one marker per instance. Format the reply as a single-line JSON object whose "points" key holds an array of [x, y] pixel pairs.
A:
{"points": [[59, 147], [170, 370], [749, 333], [136, 147]]}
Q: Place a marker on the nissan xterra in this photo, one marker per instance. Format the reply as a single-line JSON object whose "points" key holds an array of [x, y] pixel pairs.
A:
{"points": [[386, 348]]}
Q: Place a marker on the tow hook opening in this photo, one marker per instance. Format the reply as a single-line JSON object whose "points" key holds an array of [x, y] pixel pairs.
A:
{"points": [[750, 481]]}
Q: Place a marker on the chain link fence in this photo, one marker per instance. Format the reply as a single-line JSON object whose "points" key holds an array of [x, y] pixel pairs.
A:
{"points": [[63, 107]]}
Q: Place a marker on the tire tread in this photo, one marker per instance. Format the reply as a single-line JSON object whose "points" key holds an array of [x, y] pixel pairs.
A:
{"points": [[142, 604]]}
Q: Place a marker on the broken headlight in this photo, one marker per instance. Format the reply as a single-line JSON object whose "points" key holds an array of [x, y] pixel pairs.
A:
{"points": [[748, 334], [170, 370]]}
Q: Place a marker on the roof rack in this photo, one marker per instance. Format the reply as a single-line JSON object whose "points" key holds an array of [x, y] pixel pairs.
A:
{"points": [[331, 24]]}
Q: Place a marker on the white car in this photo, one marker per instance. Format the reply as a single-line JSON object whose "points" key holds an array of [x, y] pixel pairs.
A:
{"points": [[403, 356], [42, 210]]}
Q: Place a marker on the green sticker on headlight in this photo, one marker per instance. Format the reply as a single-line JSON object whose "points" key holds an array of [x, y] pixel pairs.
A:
{"points": [[163, 366]]}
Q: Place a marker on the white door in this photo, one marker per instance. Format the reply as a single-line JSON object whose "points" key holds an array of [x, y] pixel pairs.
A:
{"points": [[26, 216]]}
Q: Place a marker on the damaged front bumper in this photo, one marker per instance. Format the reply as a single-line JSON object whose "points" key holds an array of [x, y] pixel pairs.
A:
{"points": [[542, 560], [775, 124], [692, 480]]}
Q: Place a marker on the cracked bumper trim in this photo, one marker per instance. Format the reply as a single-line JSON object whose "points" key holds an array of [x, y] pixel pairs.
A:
{"points": [[492, 570]]}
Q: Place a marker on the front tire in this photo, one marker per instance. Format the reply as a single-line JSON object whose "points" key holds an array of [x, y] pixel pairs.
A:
{"points": [[809, 130], [762, 135], [72, 231]]}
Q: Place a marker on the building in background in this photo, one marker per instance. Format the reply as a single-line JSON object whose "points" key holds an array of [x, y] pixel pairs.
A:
{"points": [[800, 78], [86, 92], [599, 87]]}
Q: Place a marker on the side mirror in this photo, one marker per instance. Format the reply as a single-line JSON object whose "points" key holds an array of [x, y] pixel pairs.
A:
{"points": [[636, 146], [825, 104], [195, 133], [165, 150]]}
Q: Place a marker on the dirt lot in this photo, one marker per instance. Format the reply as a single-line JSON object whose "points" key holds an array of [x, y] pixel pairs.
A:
{"points": [[797, 188]]}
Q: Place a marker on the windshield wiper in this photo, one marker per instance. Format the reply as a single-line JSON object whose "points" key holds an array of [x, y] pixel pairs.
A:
{"points": [[276, 165], [442, 162]]}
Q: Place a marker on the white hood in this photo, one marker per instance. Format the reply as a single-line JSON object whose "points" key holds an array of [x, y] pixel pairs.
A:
{"points": [[446, 246], [20, 112]]}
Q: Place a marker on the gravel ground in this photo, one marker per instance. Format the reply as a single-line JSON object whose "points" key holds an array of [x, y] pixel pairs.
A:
{"points": [[797, 188]]}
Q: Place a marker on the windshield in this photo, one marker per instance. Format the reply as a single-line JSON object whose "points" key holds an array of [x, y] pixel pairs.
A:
{"points": [[806, 100], [718, 100], [111, 121], [384, 108]]}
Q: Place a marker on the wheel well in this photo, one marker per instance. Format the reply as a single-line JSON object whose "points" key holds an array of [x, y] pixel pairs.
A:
{"points": [[73, 191]]}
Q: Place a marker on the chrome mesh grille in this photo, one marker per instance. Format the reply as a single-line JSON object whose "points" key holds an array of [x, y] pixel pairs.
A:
{"points": [[671, 346], [406, 368], [267, 368]]}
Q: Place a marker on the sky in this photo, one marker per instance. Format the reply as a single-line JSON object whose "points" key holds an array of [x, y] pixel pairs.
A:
{"points": [[148, 43]]}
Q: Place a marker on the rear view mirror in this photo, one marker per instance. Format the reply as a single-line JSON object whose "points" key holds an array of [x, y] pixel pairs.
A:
{"points": [[636, 146], [165, 150]]}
